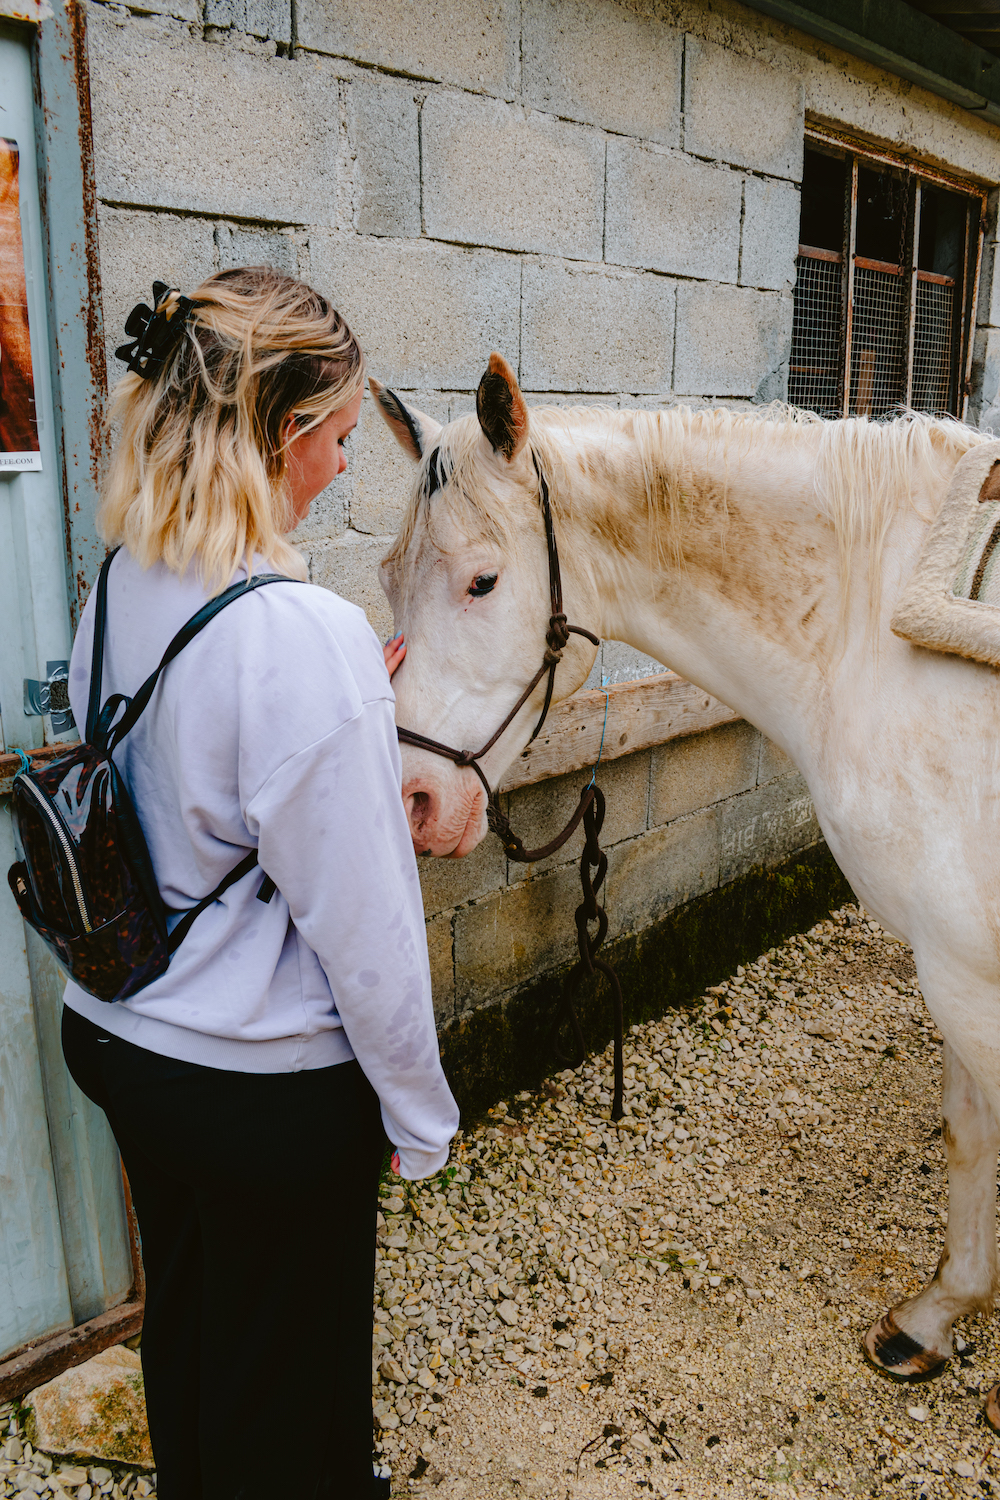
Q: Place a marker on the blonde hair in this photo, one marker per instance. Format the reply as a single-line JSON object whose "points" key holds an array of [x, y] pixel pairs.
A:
{"points": [[198, 473]]}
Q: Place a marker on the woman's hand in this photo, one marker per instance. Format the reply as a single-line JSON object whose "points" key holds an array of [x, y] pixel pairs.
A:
{"points": [[394, 650]]}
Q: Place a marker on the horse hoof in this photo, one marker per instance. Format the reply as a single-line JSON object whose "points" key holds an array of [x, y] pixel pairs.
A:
{"points": [[894, 1353], [991, 1411]]}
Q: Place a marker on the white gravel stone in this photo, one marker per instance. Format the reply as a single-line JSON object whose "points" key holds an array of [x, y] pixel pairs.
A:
{"points": [[700, 1273]]}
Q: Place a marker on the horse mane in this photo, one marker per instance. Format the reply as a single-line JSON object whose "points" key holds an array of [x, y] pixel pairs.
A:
{"points": [[864, 473]]}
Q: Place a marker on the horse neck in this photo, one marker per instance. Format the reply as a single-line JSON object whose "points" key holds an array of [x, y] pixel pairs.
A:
{"points": [[730, 578]]}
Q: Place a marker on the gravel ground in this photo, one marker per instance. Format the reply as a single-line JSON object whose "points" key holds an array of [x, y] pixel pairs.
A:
{"points": [[674, 1304], [24, 1472]]}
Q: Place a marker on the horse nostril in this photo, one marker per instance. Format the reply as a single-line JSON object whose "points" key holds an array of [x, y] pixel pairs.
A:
{"points": [[420, 807]]}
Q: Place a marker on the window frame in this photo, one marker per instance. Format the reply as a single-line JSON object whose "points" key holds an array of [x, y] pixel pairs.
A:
{"points": [[859, 154]]}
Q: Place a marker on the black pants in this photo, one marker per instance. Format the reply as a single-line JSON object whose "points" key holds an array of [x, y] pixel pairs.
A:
{"points": [[256, 1197]]}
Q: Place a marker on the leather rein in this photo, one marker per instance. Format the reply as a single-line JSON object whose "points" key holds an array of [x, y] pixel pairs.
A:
{"points": [[590, 810]]}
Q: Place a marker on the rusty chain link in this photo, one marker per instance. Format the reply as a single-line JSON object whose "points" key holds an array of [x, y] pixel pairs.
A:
{"points": [[591, 809]]}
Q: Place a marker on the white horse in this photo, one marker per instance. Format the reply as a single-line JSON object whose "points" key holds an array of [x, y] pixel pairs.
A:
{"points": [[760, 557]]}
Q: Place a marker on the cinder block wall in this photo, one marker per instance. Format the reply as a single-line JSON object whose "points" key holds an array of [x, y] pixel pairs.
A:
{"points": [[605, 192]]}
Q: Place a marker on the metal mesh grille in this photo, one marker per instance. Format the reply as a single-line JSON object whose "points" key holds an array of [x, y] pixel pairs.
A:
{"points": [[878, 349], [814, 374], [932, 343]]}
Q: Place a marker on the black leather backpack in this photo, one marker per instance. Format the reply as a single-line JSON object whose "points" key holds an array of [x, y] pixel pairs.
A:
{"points": [[86, 882]]}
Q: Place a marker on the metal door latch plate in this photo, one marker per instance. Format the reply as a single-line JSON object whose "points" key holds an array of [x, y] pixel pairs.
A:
{"points": [[51, 697]]}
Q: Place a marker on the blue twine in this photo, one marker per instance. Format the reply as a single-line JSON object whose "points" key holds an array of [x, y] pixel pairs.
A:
{"points": [[607, 700], [25, 762]]}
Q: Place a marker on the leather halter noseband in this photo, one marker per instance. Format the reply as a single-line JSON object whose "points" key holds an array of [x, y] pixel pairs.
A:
{"points": [[556, 638]]}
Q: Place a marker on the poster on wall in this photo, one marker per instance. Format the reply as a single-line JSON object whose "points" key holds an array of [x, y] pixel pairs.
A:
{"points": [[18, 426]]}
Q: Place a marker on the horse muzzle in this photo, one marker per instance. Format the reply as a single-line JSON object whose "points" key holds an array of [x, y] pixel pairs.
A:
{"points": [[445, 804]]}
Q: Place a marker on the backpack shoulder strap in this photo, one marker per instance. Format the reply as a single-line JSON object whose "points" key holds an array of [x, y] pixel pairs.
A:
{"points": [[112, 734], [97, 658], [187, 921]]}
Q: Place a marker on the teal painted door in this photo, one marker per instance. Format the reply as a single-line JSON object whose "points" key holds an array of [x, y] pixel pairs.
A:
{"points": [[64, 1250]]}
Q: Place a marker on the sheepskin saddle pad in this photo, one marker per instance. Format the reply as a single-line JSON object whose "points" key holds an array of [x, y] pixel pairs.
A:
{"points": [[952, 601]]}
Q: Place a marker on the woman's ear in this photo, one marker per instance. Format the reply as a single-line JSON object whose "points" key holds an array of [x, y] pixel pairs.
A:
{"points": [[500, 408], [413, 431]]}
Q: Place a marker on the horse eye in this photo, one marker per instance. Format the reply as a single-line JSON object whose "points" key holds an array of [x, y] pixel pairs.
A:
{"points": [[482, 584]]}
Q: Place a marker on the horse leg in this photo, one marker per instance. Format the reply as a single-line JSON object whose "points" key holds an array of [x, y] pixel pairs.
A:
{"points": [[914, 1340]]}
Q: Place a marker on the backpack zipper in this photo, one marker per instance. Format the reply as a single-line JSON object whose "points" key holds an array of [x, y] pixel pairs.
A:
{"points": [[66, 843]]}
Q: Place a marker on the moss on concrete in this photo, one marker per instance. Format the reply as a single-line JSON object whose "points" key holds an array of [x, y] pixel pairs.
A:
{"points": [[502, 1048]]}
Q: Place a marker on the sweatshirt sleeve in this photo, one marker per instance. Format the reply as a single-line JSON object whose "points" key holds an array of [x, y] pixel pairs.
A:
{"points": [[332, 834]]}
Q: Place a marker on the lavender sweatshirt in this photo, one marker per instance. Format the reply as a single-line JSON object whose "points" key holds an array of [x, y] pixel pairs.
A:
{"points": [[274, 730]]}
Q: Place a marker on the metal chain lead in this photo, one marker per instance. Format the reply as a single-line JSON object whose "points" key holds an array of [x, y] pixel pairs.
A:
{"points": [[591, 809]]}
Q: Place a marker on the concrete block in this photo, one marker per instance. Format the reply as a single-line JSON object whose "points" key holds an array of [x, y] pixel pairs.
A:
{"points": [[497, 174], [671, 213], [349, 566], [537, 813], [770, 233], [616, 662], [732, 341], [183, 10], [472, 43], [584, 329], [260, 247], [209, 128], [650, 875], [605, 64], [427, 315], [447, 883], [765, 826], [773, 762], [513, 935], [270, 19], [384, 141], [329, 514], [700, 769], [742, 110], [984, 406], [621, 663], [137, 249], [381, 475], [440, 944], [988, 302]]}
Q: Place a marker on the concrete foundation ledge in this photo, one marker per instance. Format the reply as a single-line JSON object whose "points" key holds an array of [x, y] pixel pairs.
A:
{"points": [[493, 1052]]}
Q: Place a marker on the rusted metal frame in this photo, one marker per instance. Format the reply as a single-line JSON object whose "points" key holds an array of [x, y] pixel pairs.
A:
{"points": [[137, 1291], [937, 280], [962, 353], [847, 280], [913, 253], [814, 253], [885, 266], [69, 210], [37, 1362], [957, 382], [855, 145], [969, 323]]}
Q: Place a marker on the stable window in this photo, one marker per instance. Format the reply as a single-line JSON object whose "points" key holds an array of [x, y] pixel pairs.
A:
{"points": [[885, 293]]}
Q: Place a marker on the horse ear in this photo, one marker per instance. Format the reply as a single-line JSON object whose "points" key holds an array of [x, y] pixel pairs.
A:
{"points": [[500, 408], [413, 431]]}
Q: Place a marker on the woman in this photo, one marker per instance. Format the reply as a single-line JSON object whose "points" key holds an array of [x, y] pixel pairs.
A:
{"points": [[249, 1085]]}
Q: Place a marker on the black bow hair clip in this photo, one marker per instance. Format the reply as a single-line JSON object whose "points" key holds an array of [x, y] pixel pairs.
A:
{"points": [[155, 331]]}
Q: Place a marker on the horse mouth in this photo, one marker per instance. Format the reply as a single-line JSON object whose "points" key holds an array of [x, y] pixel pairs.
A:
{"points": [[445, 838]]}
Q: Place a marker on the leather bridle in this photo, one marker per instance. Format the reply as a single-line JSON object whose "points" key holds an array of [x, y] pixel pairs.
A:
{"points": [[556, 639]]}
